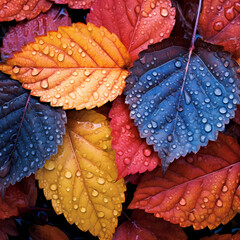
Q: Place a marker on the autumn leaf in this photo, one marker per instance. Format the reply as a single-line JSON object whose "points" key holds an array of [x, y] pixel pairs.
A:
{"points": [[25, 31], [146, 227], [7, 227], [200, 190], [137, 23], [237, 115], [17, 198], [30, 132], [81, 179], [75, 4], [132, 154], [219, 23], [82, 66], [21, 9], [223, 237], [46, 232], [178, 113]]}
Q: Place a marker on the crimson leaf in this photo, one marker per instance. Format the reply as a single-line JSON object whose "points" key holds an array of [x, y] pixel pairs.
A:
{"points": [[29, 130], [175, 114]]}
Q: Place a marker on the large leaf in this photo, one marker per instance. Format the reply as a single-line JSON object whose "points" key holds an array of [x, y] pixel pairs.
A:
{"points": [[177, 113], [81, 179], [75, 67], [7, 227], [22, 9], [30, 132], [25, 31], [145, 226], [200, 190], [75, 4], [21, 196], [219, 23], [132, 154], [137, 23]]}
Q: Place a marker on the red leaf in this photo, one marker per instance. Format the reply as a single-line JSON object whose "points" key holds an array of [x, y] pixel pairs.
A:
{"points": [[237, 115], [26, 31], [21, 195], [219, 23], [200, 190], [146, 227], [22, 9], [75, 4], [137, 23], [132, 154], [7, 227], [46, 232]]}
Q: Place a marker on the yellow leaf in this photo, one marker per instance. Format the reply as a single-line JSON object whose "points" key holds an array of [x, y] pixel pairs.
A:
{"points": [[79, 66], [81, 179]]}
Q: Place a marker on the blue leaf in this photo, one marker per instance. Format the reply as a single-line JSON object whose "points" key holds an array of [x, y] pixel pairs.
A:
{"points": [[29, 131], [177, 116]]}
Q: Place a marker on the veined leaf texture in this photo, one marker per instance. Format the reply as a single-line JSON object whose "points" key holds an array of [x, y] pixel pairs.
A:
{"points": [[201, 190], [30, 132], [178, 114], [82, 66], [81, 180]]}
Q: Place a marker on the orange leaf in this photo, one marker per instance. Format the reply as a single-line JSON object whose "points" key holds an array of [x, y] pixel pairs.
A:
{"points": [[81, 179], [21, 9], [137, 23], [76, 4], [200, 190], [75, 67], [21, 195], [219, 23], [146, 227], [46, 232]]}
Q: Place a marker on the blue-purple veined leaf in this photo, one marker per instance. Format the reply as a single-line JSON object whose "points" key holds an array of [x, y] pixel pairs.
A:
{"points": [[29, 132], [178, 116]]}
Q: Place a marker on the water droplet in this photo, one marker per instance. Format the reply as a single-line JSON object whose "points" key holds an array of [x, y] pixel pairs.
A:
{"points": [[182, 202], [25, 169], [26, 7], [75, 206], [83, 54], [68, 174], [53, 187], [218, 26], [127, 160], [164, 12], [95, 96], [94, 193], [78, 173], [59, 35], [44, 84], [41, 42], [89, 175], [205, 199], [218, 92], [55, 196], [222, 110], [187, 97], [16, 69], [226, 63], [178, 64], [83, 210], [152, 5], [224, 189], [35, 71], [170, 138], [105, 200], [115, 212], [219, 203], [144, 14], [68, 189], [137, 9], [191, 217], [101, 181], [229, 13], [154, 124], [147, 152], [34, 53], [101, 214], [49, 165], [60, 57], [208, 128]]}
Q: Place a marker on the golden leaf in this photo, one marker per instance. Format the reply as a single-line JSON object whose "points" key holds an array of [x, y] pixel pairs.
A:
{"points": [[81, 179], [79, 66]]}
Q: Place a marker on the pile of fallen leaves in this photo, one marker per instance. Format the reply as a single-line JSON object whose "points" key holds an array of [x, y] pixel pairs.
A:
{"points": [[126, 97]]}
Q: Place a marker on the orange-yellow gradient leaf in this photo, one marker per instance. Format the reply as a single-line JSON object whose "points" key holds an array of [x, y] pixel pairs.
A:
{"points": [[81, 179], [81, 66], [21, 9]]}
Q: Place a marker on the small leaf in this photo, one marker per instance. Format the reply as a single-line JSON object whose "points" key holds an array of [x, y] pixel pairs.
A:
{"points": [[22, 9], [219, 23], [25, 31], [146, 227], [179, 115], [7, 227], [132, 154], [18, 197], [81, 179], [76, 4], [30, 132], [46, 232], [200, 190], [76, 67], [137, 23]]}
